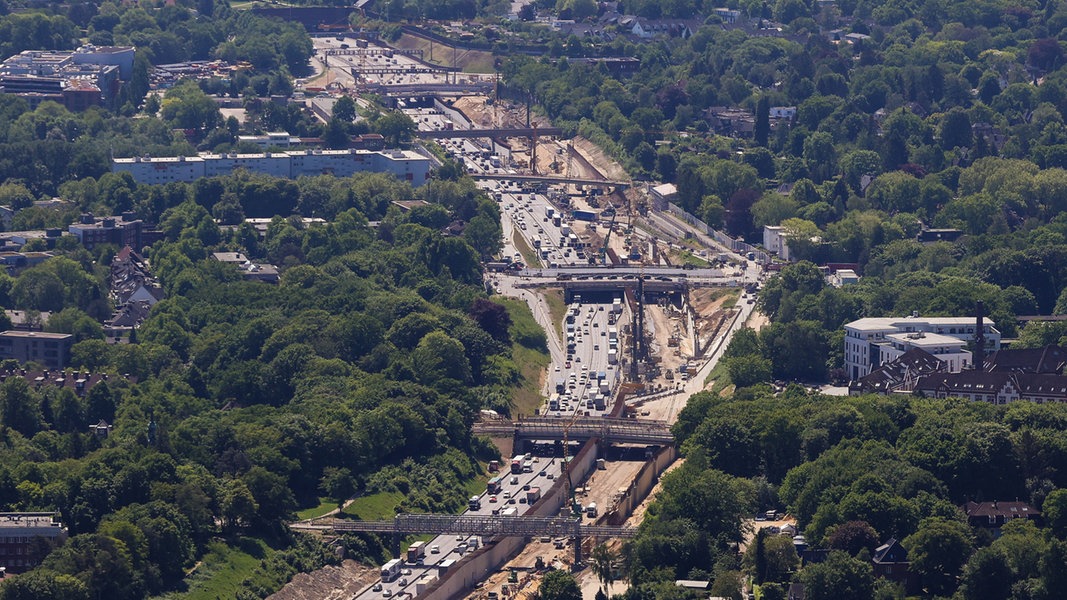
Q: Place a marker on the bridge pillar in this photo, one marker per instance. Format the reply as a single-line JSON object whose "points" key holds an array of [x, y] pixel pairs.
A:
{"points": [[395, 545], [577, 543]]}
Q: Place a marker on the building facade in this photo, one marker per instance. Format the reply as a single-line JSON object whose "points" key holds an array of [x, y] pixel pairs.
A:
{"points": [[404, 164], [124, 230], [49, 349], [20, 534], [78, 79], [874, 341]]}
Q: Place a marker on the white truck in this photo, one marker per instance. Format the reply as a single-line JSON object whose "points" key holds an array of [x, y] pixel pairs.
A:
{"points": [[590, 510], [391, 570]]}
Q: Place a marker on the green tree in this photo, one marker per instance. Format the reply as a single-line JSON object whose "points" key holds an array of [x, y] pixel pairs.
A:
{"points": [[839, 577], [605, 563], [987, 576], [938, 550], [559, 585]]}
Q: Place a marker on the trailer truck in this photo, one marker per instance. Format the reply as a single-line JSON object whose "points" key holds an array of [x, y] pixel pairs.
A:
{"points": [[416, 552], [533, 495]]}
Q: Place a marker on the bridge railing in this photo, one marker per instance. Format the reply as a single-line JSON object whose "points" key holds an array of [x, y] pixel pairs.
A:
{"points": [[522, 526]]}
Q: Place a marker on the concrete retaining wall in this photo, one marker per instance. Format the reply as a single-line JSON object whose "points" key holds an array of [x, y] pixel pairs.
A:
{"points": [[476, 566], [641, 486]]}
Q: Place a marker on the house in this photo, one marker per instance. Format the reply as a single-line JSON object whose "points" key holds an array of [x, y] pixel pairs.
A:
{"points": [[735, 122], [131, 281], [873, 341], [843, 277], [650, 28], [727, 15], [19, 535], [900, 375], [783, 112], [932, 236], [1048, 360], [890, 561], [250, 271], [993, 515]]}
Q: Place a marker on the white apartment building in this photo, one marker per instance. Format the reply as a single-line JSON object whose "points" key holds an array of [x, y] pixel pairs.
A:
{"points": [[404, 164], [874, 341]]}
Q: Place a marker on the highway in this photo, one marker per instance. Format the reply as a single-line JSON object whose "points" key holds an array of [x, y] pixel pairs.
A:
{"points": [[453, 547]]}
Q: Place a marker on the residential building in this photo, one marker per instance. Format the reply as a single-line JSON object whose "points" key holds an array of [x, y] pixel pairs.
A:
{"points": [[404, 164], [890, 561], [249, 270], [993, 515], [273, 139], [776, 241], [874, 341], [1049, 360], [49, 349], [898, 376], [995, 388], [124, 230], [19, 535], [843, 277]]}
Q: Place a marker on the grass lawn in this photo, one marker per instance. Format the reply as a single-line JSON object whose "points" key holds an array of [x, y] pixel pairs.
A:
{"points": [[557, 308], [325, 506], [532, 260], [374, 507], [222, 570], [688, 258], [531, 363]]}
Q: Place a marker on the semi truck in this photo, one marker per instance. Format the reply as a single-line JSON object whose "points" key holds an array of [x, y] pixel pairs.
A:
{"points": [[585, 215], [391, 570], [475, 503], [590, 511], [416, 552]]}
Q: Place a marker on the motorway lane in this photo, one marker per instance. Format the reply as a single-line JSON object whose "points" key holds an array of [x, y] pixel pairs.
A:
{"points": [[448, 545]]}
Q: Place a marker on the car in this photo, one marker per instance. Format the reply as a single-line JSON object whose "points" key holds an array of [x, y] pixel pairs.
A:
{"points": [[543, 473], [550, 476], [514, 480], [378, 587], [403, 581], [387, 593], [557, 368], [526, 488], [435, 549], [511, 501], [522, 500], [459, 538], [405, 572], [492, 499]]}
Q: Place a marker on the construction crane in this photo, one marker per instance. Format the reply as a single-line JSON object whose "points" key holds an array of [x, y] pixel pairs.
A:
{"points": [[607, 238]]}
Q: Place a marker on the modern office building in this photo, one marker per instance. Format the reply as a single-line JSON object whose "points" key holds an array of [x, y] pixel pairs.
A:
{"points": [[404, 164], [874, 341]]}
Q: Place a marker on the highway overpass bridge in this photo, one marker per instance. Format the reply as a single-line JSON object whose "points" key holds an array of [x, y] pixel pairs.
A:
{"points": [[480, 525], [607, 429]]}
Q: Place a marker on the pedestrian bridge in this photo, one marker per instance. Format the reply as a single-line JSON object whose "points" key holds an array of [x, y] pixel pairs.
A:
{"points": [[607, 429]]}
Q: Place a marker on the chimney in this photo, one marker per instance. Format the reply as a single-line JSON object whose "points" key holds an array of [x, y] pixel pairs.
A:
{"points": [[979, 336]]}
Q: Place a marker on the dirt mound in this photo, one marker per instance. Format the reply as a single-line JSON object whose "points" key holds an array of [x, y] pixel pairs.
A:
{"points": [[328, 583]]}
